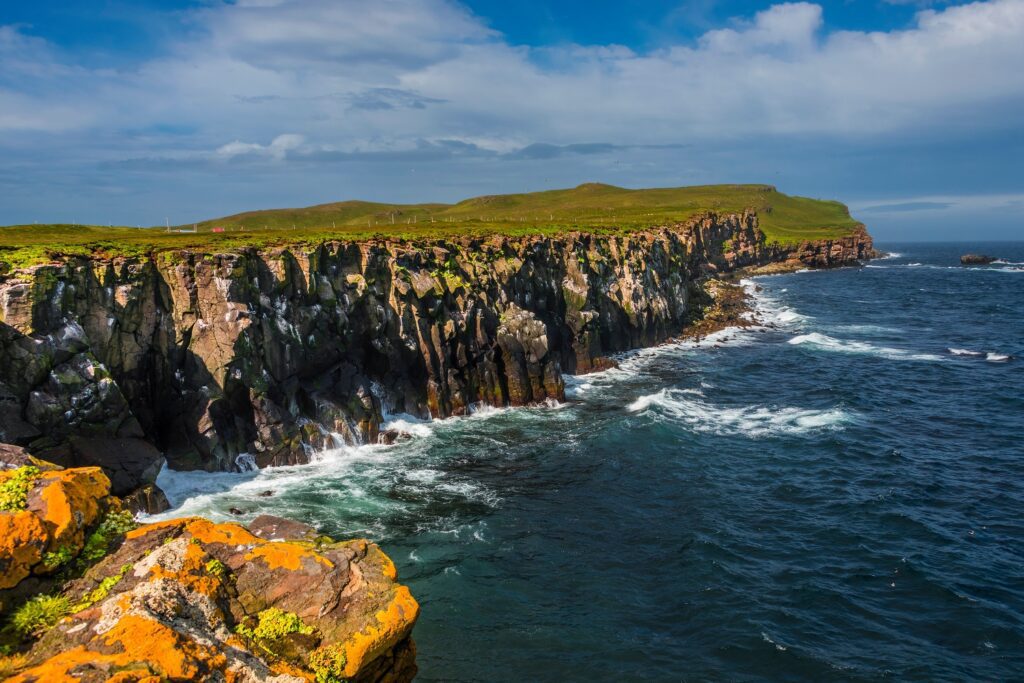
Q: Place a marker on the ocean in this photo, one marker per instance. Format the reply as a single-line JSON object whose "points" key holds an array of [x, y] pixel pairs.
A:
{"points": [[835, 495]]}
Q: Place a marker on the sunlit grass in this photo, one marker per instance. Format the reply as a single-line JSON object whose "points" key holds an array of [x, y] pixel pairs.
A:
{"points": [[592, 207]]}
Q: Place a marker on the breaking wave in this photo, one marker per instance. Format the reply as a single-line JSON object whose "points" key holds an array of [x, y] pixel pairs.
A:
{"points": [[754, 420], [827, 343]]}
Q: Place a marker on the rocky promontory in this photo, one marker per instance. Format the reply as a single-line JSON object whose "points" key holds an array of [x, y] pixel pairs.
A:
{"points": [[261, 356], [88, 595]]}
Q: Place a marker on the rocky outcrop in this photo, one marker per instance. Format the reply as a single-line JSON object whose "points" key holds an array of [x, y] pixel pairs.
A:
{"points": [[44, 517], [220, 361], [189, 599], [976, 260]]}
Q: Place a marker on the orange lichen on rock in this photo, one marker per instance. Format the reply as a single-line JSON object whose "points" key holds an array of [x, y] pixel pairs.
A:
{"points": [[393, 625], [170, 653], [192, 572], [23, 539], [284, 555], [69, 501], [59, 507], [187, 599], [203, 530], [79, 664]]}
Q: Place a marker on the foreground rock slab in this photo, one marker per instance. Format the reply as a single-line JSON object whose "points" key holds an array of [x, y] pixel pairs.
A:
{"points": [[193, 600]]}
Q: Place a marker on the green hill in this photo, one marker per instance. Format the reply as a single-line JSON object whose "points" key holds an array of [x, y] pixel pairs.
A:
{"points": [[591, 207]]}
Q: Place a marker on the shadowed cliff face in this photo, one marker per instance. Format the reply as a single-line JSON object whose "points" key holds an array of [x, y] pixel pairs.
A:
{"points": [[278, 353]]}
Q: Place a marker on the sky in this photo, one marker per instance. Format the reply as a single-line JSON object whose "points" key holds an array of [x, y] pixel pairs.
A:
{"points": [[137, 113]]}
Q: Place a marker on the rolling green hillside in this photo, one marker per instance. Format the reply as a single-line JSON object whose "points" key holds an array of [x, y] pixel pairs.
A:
{"points": [[592, 207]]}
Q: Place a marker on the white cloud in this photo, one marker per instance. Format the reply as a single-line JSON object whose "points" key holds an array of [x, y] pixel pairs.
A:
{"points": [[371, 74], [277, 149]]}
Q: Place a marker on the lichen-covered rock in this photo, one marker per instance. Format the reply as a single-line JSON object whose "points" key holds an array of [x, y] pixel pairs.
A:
{"points": [[192, 600], [58, 507]]}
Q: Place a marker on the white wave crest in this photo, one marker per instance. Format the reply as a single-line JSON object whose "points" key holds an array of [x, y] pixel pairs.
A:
{"points": [[755, 420], [997, 357], [409, 424], [822, 341], [965, 352]]}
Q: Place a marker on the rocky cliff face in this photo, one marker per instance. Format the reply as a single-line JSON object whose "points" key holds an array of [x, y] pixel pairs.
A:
{"points": [[219, 361]]}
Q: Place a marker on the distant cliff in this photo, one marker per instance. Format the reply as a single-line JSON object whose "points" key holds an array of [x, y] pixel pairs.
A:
{"points": [[260, 357]]}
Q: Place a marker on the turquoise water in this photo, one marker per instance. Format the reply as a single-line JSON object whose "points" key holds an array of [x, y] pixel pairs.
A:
{"points": [[836, 496]]}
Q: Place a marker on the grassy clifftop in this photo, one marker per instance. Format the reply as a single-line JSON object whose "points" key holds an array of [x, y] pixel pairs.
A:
{"points": [[591, 207]]}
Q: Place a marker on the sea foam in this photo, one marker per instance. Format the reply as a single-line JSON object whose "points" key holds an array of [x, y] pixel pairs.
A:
{"points": [[753, 420]]}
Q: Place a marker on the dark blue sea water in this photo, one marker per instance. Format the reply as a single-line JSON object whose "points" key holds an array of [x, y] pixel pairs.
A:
{"points": [[838, 497]]}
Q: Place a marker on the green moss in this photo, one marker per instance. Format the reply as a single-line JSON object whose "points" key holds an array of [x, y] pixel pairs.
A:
{"points": [[328, 664], [216, 568], [272, 624], [115, 524], [102, 590], [14, 490], [59, 558], [37, 615]]}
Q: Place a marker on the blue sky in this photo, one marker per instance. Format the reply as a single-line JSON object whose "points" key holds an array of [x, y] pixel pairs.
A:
{"points": [[130, 112]]}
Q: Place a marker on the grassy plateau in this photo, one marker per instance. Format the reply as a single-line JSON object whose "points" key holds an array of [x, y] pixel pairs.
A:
{"points": [[592, 207]]}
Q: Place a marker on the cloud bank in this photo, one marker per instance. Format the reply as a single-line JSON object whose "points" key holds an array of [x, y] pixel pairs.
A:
{"points": [[309, 83]]}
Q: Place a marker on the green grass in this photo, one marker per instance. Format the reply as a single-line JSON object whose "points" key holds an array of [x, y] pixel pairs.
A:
{"points": [[592, 207], [39, 614]]}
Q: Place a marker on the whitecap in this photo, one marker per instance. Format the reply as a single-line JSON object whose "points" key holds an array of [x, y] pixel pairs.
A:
{"points": [[767, 639], [965, 352], [752, 420], [992, 357], [827, 343]]}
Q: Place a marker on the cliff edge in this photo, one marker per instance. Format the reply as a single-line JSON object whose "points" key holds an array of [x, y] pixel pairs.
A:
{"points": [[260, 356]]}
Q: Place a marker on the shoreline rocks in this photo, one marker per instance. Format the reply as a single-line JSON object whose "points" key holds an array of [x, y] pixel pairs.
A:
{"points": [[257, 358], [190, 599]]}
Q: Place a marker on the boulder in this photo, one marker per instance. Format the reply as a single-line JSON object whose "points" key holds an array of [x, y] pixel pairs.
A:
{"points": [[130, 463], [189, 599], [976, 260], [46, 513]]}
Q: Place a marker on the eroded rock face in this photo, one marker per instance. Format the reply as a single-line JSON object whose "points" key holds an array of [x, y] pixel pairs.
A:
{"points": [[193, 600], [221, 360]]}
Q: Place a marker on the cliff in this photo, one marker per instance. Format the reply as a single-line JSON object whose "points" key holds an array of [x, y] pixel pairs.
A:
{"points": [[260, 356], [88, 595]]}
